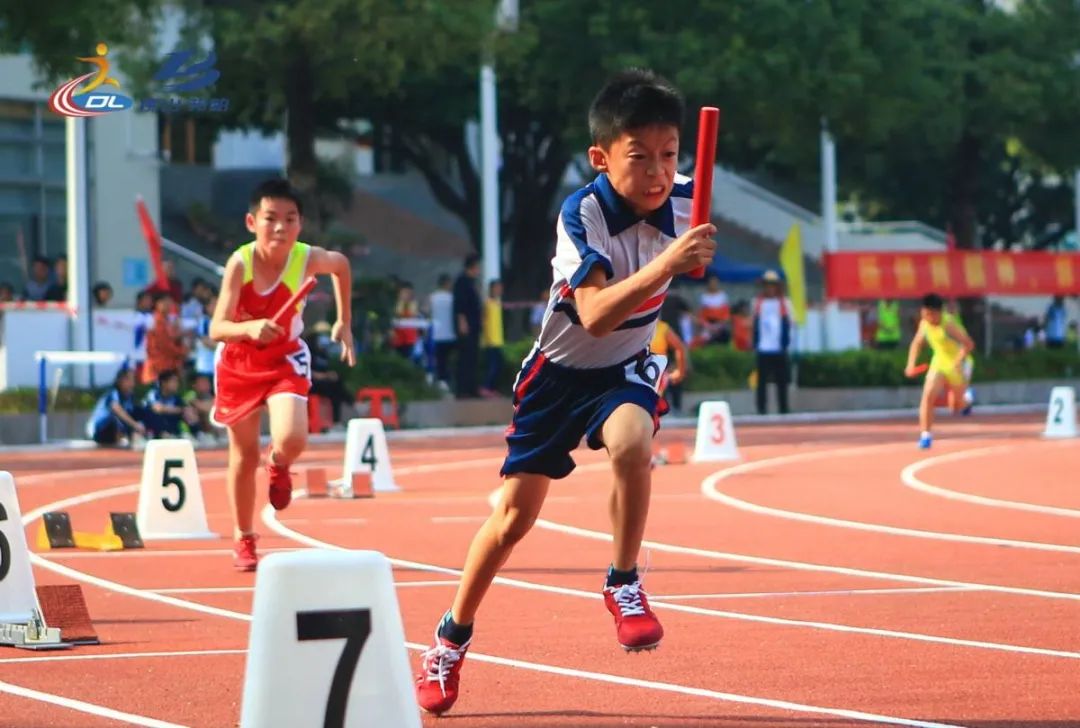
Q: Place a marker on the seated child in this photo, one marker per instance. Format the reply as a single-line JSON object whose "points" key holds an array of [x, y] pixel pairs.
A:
{"points": [[115, 417]]}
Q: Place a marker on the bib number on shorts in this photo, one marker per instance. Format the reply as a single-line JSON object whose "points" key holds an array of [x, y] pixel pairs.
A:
{"points": [[301, 362], [647, 371]]}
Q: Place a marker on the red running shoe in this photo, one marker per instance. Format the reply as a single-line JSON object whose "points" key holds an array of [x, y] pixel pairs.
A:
{"points": [[244, 556], [280, 482], [636, 627], [437, 681]]}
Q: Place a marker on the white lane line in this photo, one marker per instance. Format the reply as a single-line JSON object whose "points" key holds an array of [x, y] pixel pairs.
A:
{"points": [[84, 707], [120, 656], [711, 490], [143, 553], [909, 477], [826, 592], [477, 657], [244, 589], [268, 517]]}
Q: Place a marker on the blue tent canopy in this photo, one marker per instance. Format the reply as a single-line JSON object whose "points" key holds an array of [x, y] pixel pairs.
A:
{"points": [[730, 271]]}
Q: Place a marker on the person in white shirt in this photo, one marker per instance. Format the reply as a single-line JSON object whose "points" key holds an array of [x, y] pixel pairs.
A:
{"points": [[443, 333], [772, 339]]}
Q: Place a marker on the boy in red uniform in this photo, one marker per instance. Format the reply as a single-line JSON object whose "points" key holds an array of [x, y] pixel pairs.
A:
{"points": [[262, 362]]}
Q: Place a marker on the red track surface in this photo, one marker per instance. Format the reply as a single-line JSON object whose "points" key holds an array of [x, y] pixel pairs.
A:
{"points": [[764, 607]]}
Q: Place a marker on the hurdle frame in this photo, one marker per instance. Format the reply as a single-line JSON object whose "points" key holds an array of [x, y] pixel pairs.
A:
{"points": [[43, 359]]}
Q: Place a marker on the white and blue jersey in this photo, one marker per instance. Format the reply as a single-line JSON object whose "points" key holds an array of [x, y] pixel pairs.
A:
{"points": [[103, 422], [572, 381]]}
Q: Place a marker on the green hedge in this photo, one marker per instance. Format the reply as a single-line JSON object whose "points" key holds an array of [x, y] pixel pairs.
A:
{"points": [[387, 368]]}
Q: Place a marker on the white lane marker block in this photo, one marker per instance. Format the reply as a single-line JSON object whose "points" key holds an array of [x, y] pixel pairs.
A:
{"points": [[327, 645], [1061, 414], [170, 495], [366, 452], [715, 440]]}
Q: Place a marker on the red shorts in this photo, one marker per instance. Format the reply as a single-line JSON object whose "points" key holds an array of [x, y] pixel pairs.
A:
{"points": [[245, 377]]}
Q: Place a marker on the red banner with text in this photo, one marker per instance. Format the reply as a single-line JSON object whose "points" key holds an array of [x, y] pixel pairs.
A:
{"points": [[855, 275]]}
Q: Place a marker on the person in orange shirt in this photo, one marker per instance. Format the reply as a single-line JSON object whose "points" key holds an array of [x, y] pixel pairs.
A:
{"points": [[165, 349], [741, 332], [667, 343]]}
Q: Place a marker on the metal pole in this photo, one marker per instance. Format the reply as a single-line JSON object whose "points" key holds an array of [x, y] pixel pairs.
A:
{"points": [[489, 174], [43, 402], [78, 249], [828, 218]]}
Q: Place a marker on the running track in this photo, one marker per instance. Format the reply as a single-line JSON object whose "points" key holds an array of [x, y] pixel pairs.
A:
{"points": [[836, 576]]}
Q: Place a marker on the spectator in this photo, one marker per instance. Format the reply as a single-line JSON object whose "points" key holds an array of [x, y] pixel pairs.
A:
{"points": [[715, 312], [7, 293], [165, 410], [40, 279], [1056, 323], [741, 335], [175, 289], [58, 290], [467, 310], [492, 339], [102, 293], [165, 350], [205, 347], [772, 337], [325, 382], [194, 304], [198, 403], [442, 329], [144, 319], [403, 338], [115, 419], [888, 324]]}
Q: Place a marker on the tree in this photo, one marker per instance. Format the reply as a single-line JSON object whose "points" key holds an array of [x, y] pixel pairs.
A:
{"points": [[55, 39], [305, 66]]}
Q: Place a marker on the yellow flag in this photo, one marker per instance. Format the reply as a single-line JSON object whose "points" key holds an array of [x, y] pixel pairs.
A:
{"points": [[791, 260]]}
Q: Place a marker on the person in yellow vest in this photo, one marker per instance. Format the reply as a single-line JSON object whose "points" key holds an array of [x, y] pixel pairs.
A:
{"points": [[667, 343], [888, 324], [491, 339], [950, 345]]}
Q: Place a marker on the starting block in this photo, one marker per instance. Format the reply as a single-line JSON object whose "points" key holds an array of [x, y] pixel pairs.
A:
{"points": [[56, 532], [673, 453], [314, 480], [37, 618], [327, 646], [1061, 415], [715, 439]]}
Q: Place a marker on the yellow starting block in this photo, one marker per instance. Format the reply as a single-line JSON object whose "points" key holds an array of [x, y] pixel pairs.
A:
{"points": [[56, 532]]}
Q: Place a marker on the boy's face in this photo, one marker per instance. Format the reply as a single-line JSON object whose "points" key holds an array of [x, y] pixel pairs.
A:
{"points": [[496, 290], [931, 316], [276, 224], [201, 385], [126, 383], [641, 165], [170, 385]]}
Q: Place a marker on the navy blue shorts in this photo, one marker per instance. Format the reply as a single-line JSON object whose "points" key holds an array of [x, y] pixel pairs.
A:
{"points": [[555, 406]]}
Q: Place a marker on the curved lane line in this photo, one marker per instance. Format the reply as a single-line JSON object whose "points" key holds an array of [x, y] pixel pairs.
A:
{"points": [[909, 477], [478, 657], [711, 491]]}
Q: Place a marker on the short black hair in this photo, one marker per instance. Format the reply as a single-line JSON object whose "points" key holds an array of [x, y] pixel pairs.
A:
{"points": [[471, 259], [275, 189], [633, 99], [167, 375], [933, 301]]}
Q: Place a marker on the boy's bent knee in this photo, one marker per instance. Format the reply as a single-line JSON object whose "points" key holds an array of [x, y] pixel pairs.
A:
{"points": [[513, 525], [291, 444], [631, 454]]}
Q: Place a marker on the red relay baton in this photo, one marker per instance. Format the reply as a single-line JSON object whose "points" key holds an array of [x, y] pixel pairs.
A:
{"points": [[708, 128], [301, 292], [919, 369]]}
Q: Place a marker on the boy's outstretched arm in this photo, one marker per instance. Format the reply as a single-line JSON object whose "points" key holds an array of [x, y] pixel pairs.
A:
{"points": [[222, 325], [336, 265], [913, 352], [602, 308]]}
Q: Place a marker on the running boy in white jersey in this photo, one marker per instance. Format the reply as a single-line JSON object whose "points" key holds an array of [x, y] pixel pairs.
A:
{"points": [[590, 372]]}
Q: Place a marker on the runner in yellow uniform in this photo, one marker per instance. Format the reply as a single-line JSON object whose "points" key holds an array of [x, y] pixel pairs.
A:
{"points": [[950, 345], [952, 315]]}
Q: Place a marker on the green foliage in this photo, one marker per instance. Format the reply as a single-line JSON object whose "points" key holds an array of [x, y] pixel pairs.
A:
{"points": [[25, 399], [717, 368], [386, 368]]}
